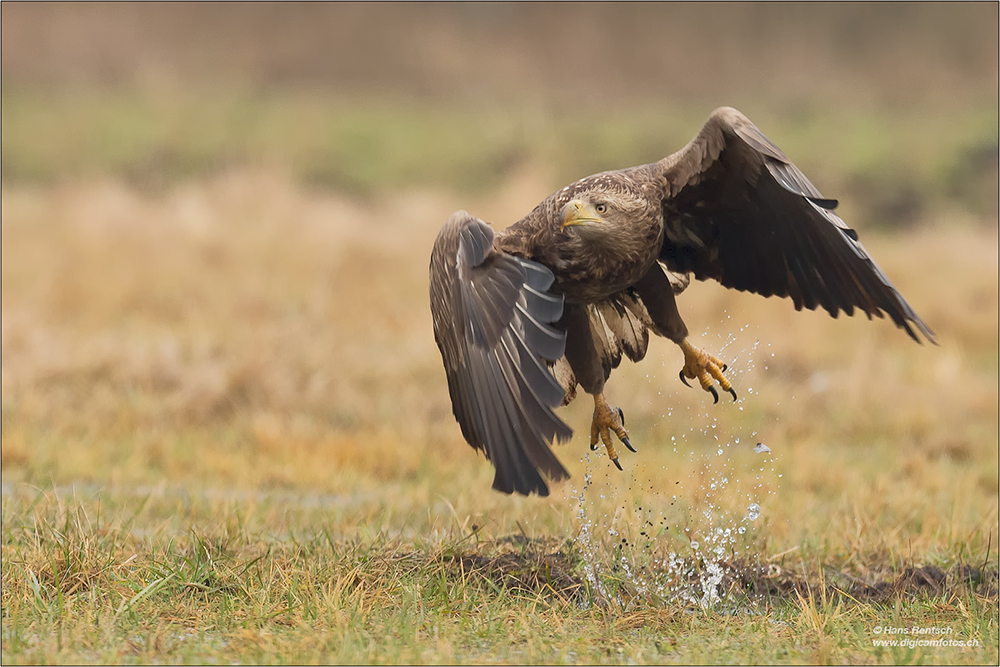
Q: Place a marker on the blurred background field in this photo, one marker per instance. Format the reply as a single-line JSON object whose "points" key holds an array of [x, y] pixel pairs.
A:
{"points": [[216, 225]]}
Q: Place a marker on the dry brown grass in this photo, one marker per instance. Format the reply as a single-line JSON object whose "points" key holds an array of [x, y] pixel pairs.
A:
{"points": [[301, 318]]}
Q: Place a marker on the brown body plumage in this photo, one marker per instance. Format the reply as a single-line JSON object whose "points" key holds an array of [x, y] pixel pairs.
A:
{"points": [[592, 262], [525, 315]]}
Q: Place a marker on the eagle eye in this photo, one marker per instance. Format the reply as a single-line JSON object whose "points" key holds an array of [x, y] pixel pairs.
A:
{"points": [[601, 208]]}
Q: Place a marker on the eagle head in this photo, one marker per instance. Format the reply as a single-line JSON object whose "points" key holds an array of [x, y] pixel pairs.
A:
{"points": [[601, 213]]}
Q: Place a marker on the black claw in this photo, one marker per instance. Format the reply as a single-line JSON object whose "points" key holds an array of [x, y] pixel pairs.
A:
{"points": [[617, 465], [629, 445], [715, 395], [733, 392], [724, 367], [593, 448], [621, 416], [681, 376]]}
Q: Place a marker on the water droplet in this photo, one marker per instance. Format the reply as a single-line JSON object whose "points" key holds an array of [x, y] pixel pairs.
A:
{"points": [[694, 545], [761, 448], [720, 451], [742, 530], [753, 511]]}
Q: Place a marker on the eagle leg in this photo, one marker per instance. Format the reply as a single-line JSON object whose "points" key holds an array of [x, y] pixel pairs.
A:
{"points": [[607, 419], [699, 364]]}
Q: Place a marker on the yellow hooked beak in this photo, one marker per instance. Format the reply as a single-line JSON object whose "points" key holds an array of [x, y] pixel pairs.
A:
{"points": [[579, 212]]}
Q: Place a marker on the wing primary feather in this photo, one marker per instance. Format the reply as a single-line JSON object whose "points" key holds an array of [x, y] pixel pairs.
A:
{"points": [[544, 386], [511, 468], [826, 204], [538, 425]]}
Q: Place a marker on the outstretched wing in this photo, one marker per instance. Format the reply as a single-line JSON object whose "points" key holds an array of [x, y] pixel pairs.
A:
{"points": [[492, 314], [738, 211]]}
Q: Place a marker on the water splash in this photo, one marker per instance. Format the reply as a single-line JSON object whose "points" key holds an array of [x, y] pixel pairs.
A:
{"points": [[674, 550], [585, 539]]}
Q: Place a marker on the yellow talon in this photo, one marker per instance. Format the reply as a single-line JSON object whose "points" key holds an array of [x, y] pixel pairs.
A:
{"points": [[607, 419], [699, 364]]}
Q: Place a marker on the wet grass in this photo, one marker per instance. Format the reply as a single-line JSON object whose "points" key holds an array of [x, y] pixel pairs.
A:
{"points": [[227, 437]]}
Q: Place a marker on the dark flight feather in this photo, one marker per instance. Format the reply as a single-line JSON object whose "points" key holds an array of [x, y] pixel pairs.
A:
{"points": [[766, 229]]}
